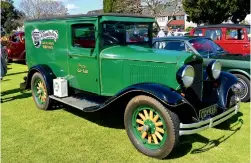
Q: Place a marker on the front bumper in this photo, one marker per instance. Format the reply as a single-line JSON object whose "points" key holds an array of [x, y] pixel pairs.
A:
{"points": [[192, 128]]}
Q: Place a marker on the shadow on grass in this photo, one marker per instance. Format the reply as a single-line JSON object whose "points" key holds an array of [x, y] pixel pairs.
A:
{"points": [[185, 145], [113, 117], [22, 95], [5, 80], [17, 73], [108, 117]]}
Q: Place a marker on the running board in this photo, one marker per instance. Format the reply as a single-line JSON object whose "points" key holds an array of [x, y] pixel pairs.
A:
{"points": [[79, 102]]}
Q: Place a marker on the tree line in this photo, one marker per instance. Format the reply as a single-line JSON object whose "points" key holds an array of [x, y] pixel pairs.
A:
{"points": [[199, 11]]}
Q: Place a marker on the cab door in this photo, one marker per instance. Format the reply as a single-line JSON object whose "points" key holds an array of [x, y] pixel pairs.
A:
{"points": [[83, 57]]}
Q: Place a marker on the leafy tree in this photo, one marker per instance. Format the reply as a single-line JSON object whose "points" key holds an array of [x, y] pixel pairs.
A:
{"points": [[122, 6], [216, 11], [9, 15], [156, 7], [108, 6], [188, 29], [42, 8]]}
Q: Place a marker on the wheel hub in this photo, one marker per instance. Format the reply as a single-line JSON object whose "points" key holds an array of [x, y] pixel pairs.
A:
{"points": [[150, 127]]}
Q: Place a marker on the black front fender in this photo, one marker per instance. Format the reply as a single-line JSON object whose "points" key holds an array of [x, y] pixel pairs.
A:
{"points": [[226, 80], [169, 97], [161, 92]]}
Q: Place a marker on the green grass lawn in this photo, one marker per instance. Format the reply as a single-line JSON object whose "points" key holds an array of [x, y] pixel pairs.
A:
{"points": [[67, 135]]}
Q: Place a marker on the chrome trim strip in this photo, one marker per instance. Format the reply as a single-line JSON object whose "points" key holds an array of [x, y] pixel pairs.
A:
{"points": [[210, 122]]}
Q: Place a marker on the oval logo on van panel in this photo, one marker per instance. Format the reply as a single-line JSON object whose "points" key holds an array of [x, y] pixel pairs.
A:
{"points": [[39, 35]]}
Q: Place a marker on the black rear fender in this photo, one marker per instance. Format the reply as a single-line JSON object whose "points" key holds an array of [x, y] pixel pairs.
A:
{"points": [[46, 72]]}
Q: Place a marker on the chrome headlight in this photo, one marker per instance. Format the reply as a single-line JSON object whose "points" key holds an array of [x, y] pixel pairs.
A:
{"points": [[214, 69], [185, 75]]}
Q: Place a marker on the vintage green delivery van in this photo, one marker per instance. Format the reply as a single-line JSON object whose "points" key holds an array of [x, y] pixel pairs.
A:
{"points": [[92, 61]]}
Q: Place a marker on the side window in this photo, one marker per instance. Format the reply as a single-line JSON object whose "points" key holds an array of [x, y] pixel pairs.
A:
{"points": [[83, 35], [214, 34], [248, 33], [23, 38], [234, 34], [198, 32], [15, 38]]}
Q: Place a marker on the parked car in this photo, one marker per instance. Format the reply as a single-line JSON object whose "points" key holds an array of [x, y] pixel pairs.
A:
{"points": [[238, 65], [16, 46], [87, 62], [180, 33], [234, 38]]}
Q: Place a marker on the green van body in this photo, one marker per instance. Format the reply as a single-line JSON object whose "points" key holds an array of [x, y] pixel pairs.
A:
{"points": [[103, 68]]}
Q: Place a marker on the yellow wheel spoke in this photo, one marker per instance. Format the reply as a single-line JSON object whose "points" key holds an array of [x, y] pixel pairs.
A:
{"points": [[155, 139], [140, 121], [140, 128], [158, 124], [156, 118], [146, 114], [158, 135], [160, 130], [151, 115], [149, 138], [144, 135], [142, 116]]}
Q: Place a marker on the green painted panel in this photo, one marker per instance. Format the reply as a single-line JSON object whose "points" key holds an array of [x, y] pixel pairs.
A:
{"points": [[45, 44], [122, 66]]}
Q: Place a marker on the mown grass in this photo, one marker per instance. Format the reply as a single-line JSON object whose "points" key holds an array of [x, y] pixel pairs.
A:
{"points": [[67, 135]]}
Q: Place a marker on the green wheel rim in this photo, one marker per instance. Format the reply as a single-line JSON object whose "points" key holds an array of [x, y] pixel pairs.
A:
{"points": [[40, 91], [149, 127]]}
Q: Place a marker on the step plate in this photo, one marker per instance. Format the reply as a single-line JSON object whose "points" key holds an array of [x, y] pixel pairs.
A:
{"points": [[78, 102]]}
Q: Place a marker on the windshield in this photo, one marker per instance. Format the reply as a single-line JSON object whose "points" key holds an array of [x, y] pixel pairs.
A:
{"points": [[124, 33], [206, 47]]}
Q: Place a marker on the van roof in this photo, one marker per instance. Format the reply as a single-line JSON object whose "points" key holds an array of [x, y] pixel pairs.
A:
{"points": [[90, 15]]}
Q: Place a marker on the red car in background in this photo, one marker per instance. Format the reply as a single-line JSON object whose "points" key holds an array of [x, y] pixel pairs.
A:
{"points": [[16, 46], [234, 38]]}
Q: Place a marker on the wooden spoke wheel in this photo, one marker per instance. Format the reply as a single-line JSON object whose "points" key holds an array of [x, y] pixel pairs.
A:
{"points": [[39, 91], [152, 128]]}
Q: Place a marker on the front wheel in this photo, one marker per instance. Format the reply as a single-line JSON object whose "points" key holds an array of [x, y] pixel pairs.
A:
{"points": [[243, 86], [151, 127], [40, 91]]}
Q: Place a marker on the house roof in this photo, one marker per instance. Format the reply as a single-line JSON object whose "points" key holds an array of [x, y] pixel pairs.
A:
{"points": [[100, 11], [177, 22]]}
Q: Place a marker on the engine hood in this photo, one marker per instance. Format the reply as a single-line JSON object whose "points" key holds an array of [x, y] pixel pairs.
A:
{"points": [[139, 53]]}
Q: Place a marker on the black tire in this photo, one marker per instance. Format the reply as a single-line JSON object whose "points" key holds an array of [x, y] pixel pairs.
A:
{"points": [[244, 82], [170, 119], [10, 60], [47, 102]]}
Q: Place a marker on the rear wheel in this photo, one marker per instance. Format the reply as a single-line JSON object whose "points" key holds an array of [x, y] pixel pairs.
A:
{"points": [[40, 91], [243, 86], [152, 128]]}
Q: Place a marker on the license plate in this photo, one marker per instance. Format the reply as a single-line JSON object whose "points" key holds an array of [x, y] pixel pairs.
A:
{"points": [[211, 110]]}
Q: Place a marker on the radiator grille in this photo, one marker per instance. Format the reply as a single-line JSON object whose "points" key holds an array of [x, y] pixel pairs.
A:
{"points": [[197, 85]]}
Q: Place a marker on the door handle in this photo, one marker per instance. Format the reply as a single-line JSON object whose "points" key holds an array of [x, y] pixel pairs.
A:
{"points": [[245, 46]]}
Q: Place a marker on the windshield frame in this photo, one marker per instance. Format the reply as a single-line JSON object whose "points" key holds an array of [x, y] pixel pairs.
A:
{"points": [[209, 53]]}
